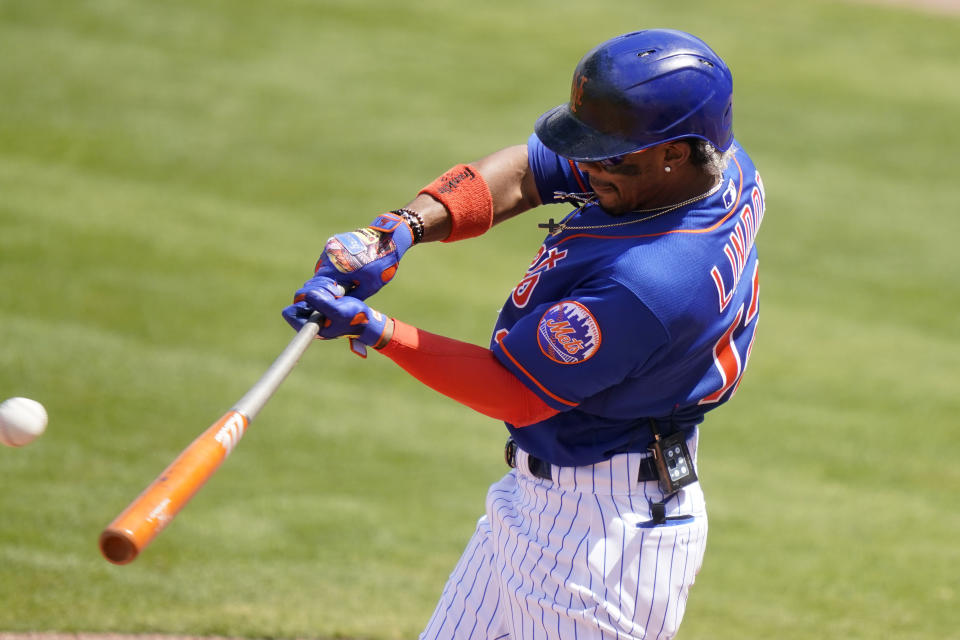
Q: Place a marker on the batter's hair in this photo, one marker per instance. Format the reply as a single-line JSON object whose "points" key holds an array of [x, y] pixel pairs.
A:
{"points": [[708, 157]]}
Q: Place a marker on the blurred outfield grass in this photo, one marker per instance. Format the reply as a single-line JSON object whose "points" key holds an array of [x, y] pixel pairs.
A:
{"points": [[169, 171]]}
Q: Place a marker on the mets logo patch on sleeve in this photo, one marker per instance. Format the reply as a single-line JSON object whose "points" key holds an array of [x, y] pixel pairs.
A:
{"points": [[568, 333]]}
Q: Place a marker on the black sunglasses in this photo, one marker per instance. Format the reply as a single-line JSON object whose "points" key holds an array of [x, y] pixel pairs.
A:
{"points": [[613, 161]]}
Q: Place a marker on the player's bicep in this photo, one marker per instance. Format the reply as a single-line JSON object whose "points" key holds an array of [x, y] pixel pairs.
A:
{"points": [[551, 174], [572, 349], [511, 182]]}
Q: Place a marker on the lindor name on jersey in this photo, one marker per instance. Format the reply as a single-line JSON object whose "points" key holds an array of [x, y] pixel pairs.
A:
{"points": [[739, 244]]}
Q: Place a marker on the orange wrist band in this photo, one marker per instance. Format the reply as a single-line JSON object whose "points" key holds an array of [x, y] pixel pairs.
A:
{"points": [[467, 197]]}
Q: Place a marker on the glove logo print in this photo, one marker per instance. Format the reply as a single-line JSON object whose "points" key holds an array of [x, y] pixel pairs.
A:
{"points": [[568, 333], [348, 252]]}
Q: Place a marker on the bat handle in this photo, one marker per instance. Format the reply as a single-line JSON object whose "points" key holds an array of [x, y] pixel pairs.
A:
{"points": [[254, 400]]}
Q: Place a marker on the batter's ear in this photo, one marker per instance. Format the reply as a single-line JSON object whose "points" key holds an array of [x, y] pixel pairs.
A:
{"points": [[677, 152]]}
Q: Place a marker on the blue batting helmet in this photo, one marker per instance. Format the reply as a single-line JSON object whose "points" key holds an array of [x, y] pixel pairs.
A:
{"points": [[638, 90]]}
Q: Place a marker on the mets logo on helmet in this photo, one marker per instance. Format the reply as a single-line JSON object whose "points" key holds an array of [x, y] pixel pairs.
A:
{"points": [[576, 97], [568, 333]]}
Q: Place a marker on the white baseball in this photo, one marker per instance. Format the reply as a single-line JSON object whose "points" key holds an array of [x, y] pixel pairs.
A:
{"points": [[22, 421]]}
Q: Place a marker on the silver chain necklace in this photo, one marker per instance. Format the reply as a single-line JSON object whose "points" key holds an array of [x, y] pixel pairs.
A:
{"points": [[555, 228]]}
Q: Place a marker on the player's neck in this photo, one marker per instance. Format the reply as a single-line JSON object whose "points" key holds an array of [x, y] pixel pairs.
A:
{"points": [[687, 183]]}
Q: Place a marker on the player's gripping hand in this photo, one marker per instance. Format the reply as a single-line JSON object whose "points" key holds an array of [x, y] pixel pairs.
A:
{"points": [[343, 316], [364, 260]]}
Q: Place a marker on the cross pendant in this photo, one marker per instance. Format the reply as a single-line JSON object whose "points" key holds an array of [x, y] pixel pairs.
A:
{"points": [[553, 228]]}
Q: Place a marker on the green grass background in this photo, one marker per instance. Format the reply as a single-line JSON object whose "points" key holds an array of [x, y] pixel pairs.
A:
{"points": [[169, 171]]}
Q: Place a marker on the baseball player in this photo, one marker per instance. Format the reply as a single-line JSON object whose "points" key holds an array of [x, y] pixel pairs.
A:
{"points": [[635, 318]]}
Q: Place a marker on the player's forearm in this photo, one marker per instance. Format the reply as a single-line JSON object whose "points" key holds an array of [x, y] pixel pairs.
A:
{"points": [[465, 372], [510, 182]]}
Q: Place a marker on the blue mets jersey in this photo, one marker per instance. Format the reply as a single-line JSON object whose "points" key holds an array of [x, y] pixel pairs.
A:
{"points": [[620, 319]]}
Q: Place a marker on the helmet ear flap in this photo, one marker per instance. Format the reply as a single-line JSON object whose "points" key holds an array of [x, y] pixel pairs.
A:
{"points": [[642, 89]]}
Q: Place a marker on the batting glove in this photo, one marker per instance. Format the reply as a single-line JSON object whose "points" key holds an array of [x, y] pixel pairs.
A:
{"points": [[366, 259], [343, 316]]}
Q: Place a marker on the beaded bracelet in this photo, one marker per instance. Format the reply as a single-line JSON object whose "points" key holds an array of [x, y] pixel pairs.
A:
{"points": [[415, 222]]}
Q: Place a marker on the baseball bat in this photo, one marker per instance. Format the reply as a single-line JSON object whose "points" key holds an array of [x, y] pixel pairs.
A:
{"points": [[150, 512]]}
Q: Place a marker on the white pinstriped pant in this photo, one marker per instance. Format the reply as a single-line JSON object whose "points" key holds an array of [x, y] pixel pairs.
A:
{"points": [[575, 558]]}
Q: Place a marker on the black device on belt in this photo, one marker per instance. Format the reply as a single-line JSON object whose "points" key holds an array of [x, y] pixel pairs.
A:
{"points": [[672, 459]]}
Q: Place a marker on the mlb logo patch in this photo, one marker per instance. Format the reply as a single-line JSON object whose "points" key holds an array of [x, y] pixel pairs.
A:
{"points": [[730, 195], [568, 333]]}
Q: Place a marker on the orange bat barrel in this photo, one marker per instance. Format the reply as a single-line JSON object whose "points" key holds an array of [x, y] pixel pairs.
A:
{"points": [[124, 538], [153, 509]]}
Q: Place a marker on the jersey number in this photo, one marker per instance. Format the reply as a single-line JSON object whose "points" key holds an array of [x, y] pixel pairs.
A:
{"points": [[726, 357]]}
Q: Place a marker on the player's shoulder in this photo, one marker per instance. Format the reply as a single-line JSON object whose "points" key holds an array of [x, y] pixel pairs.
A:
{"points": [[741, 152], [741, 167]]}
